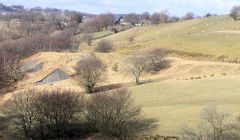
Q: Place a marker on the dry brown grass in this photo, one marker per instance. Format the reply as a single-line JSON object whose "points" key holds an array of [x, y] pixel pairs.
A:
{"points": [[179, 69], [147, 94]]}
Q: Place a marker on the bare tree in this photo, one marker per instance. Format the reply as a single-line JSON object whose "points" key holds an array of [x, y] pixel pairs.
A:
{"points": [[9, 74], [115, 115], [106, 20], [28, 29], [91, 25], [132, 18], [155, 18], [137, 64], [77, 17], [235, 12], [163, 16], [145, 16], [212, 127], [188, 16], [45, 114], [90, 71]]}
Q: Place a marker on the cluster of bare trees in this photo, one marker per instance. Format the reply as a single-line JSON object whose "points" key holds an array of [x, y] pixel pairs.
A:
{"points": [[28, 46], [164, 17], [44, 114], [65, 114], [132, 18], [90, 70], [160, 17], [155, 18], [32, 35], [14, 50], [142, 61], [32, 23], [26, 17], [97, 23], [9, 73], [8, 35]]}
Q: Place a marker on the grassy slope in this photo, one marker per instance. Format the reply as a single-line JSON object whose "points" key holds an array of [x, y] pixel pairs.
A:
{"points": [[198, 36], [174, 102], [178, 103]]}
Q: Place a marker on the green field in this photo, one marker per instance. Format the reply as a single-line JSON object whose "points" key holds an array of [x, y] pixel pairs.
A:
{"points": [[218, 35], [179, 103]]}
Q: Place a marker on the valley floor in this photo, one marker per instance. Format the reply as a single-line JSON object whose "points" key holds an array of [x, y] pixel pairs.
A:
{"points": [[176, 95]]}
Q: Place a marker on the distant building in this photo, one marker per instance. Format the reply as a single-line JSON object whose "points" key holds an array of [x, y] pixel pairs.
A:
{"points": [[144, 23], [121, 21]]}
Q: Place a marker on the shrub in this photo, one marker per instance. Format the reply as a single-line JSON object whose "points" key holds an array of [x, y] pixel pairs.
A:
{"points": [[56, 111], [77, 17], [114, 115], [9, 74], [104, 46], [90, 71], [45, 114], [115, 67], [65, 114], [173, 19], [235, 12], [157, 59]]}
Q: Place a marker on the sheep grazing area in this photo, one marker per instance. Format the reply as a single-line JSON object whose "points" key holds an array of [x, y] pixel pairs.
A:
{"points": [[203, 69], [175, 96]]}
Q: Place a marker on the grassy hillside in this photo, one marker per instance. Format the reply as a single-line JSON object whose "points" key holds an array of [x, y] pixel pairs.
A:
{"points": [[176, 98], [179, 103], [218, 35], [180, 91]]}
